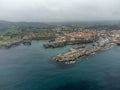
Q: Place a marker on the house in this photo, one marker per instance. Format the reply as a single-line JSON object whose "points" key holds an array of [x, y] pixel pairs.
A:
{"points": [[102, 41], [60, 38]]}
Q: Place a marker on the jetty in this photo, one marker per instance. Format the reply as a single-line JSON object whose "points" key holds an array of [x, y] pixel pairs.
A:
{"points": [[54, 44], [74, 53]]}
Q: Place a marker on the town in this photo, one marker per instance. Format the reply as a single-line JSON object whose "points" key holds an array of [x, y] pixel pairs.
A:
{"points": [[99, 39]]}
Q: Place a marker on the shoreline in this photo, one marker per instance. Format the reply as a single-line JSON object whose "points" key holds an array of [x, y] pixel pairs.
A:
{"points": [[23, 41]]}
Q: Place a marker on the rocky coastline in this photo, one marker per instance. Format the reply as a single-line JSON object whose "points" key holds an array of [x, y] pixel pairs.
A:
{"points": [[16, 43], [23, 41]]}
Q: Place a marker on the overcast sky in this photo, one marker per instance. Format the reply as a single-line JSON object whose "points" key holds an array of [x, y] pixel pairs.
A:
{"points": [[59, 10]]}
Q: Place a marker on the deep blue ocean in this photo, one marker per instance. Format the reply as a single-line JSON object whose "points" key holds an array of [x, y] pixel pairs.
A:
{"points": [[32, 68]]}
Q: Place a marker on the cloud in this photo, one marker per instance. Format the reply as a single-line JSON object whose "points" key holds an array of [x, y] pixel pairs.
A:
{"points": [[59, 10]]}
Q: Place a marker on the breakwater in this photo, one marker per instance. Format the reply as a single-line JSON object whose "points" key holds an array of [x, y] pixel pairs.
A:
{"points": [[63, 43], [74, 53]]}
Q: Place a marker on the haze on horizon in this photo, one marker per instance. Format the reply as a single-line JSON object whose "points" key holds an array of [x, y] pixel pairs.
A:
{"points": [[59, 10]]}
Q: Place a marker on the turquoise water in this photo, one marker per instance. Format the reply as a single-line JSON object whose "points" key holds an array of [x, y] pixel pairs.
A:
{"points": [[31, 68]]}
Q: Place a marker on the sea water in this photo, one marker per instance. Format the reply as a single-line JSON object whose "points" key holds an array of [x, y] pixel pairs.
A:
{"points": [[32, 68]]}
